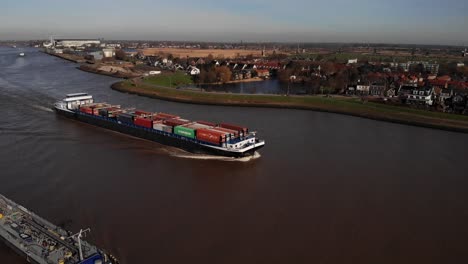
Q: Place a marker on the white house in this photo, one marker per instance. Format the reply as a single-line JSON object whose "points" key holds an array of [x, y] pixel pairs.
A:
{"points": [[362, 88], [422, 96], [192, 70]]}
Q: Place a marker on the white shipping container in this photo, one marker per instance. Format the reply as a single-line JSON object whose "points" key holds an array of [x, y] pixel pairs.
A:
{"points": [[162, 127]]}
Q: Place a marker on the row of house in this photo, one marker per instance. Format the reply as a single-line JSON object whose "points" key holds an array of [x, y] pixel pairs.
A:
{"points": [[240, 69], [450, 99]]}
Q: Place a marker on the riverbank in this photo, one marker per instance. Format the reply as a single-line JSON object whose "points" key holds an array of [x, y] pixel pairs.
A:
{"points": [[68, 57], [342, 105], [112, 71], [250, 80]]}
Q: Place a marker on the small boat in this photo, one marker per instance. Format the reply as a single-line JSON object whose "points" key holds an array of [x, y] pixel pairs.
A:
{"points": [[22, 54]]}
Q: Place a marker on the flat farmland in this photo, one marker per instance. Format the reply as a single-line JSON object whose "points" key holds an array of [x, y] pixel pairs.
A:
{"points": [[201, 53]]}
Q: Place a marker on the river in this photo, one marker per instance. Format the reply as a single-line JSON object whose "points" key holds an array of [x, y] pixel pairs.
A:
{"points": [[327, 188]]}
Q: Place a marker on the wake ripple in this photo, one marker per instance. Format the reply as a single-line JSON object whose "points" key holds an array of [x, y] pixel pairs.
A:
{"points": [[212, 157]]}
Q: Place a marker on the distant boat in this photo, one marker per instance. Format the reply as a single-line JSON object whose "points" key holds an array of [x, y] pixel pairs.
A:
{"points": [[21, 54], [13, 46]]}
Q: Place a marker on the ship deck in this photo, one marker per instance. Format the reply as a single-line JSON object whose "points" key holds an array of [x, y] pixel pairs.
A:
{"points": [[37, 239]]}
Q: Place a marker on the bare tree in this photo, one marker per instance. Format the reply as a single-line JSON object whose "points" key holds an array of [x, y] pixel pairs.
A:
{"points": [[223, 74], [120, 54]]}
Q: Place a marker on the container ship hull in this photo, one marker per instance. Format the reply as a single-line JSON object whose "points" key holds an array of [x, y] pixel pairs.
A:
{"points": [[19, 252], [41, 242], [157, 136]]}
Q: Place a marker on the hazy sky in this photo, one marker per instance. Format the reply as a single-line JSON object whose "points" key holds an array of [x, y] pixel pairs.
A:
{"points": [[394, 21]]}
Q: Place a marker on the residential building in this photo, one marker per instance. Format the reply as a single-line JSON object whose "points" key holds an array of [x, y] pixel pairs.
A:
{"points": [[377, 89], [431, 67], [263, 73], [192, 70], [444, 94], [404, 91], [421, 96], [392, 91], [351, 90], [362, 89]]}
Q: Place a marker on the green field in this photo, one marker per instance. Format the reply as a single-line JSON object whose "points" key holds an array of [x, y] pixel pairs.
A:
{"points": [[343, 105], [169, 79], [344, 57]]}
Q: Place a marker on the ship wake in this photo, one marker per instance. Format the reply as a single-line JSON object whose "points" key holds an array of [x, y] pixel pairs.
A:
{"points": [[187, 155]]}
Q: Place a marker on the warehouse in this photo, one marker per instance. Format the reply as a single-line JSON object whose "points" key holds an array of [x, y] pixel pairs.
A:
{"points": [[73, 43]]}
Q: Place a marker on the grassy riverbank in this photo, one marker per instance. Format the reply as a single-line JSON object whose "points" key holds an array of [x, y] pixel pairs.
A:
{"points": [[169, 80], [341, 105]]}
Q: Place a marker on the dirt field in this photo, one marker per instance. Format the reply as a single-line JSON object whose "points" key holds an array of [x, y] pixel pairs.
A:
{"points": [[197, 53]]}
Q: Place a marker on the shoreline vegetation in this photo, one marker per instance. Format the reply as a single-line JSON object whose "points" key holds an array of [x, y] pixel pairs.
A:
{"points": [[335, 104]]}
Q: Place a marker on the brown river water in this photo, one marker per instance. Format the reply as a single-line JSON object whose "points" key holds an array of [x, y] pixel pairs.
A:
{"points": [[326, 188]]}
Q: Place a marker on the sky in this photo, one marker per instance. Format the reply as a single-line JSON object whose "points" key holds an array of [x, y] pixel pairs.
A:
{"points": [[362, 21]]}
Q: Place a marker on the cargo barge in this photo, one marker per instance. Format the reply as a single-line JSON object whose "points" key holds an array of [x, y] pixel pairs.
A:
{"points": [[41, 242], [198, 137]]}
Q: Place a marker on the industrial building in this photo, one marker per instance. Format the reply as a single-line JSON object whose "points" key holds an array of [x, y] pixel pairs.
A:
{"points": [[73, 43]]}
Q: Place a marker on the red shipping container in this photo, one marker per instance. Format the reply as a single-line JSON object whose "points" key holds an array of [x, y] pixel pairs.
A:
{"points": [[175, 122], [206, 123], [166, 116], [230, 131], [234, 127], [211, 136], [144, 122], [139, 112], [86, 110]]}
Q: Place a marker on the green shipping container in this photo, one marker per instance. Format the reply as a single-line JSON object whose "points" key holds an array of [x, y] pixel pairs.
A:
{"points": [[184, 131]]}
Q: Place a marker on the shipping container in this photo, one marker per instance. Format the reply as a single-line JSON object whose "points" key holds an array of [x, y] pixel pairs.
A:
{"points": [[104, 112], [184, 131], [125, 117], [87, 110], [208, 135], [144, 122], [112, 113], [161, 127], [166, 116], [108, 110], [240, 129], [197, 126], [140, 112], [175, 122], [233, 133], [97, 105], [96, 110], [206, 123]]}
